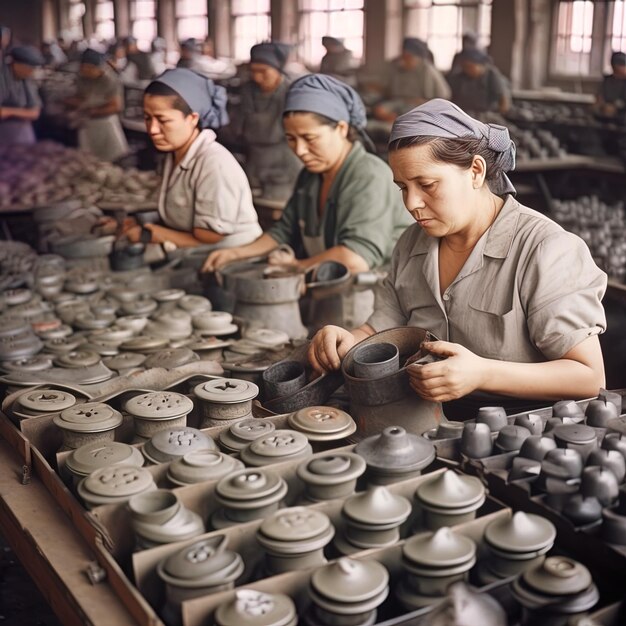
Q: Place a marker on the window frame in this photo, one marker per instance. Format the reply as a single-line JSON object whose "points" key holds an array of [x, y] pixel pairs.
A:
{"points": [[178, 17], [97, 22], [134, 19], [233, 16]]}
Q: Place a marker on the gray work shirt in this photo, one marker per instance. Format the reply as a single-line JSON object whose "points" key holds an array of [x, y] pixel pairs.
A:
{"points": [[613, 90], [208, 189], [97, 92], [16, 92], [478, 94], [424, 81], [529, 292]]}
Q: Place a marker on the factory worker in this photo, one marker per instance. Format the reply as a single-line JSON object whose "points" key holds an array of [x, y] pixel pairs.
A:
{"points": [[141, 60], [514, 298], [270, 163], [344, 207], [5, 40], [338, 59], [98, 98], [158, 55], [611, 98], [479, 86], [205, 197], [20, 104], [410, 79]]}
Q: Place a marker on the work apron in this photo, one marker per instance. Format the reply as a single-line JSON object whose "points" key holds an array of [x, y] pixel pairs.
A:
{"points": [[103, 137], [355, 306], [16, 132]]}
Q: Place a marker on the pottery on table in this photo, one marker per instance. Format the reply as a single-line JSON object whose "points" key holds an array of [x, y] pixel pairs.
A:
{"points": [[611, 396], [225, 399], [511, 437], [577, 437], [599, 412], [331, 475], [194, 304], [372, 519], [239, 435], [446, 430], [347, 591], [158, 517], [249, 607], [214, 323], [248, 494], [581, 510], [376, 360], [111, 485], [600, 482], [283, 378], [202, 466], [86, 423], [174, 443], [276, 447], [395, 455], [97, 454], [294, 538], [568, 409], [615, 441], [536, 447], [610, 459], [171, 358], [158, 410], [493, 416], [32, 403], [476, 441], [322, 423], [531, 422], [449, 499]]}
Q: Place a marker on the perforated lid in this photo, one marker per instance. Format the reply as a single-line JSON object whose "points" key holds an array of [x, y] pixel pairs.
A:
{"points": [[295, 524], [255, 608], [322, 422], [77, 359], [158, 405], [97, 454], [332, 468], [117, 482], [250, 484], [226, 390], [46, 400], [172, 443], [202, 465], [90, 417], [558, 576]]}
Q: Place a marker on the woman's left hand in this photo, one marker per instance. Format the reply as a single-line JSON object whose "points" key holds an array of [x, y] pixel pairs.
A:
{"points": [[133, 234], [454, 377]]}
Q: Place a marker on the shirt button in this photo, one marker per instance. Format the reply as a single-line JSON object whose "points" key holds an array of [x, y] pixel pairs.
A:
{"points": [[446, 296]]}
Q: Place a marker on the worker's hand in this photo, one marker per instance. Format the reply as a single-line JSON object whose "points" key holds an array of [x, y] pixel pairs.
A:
{"points": [[608, 109], [384, 114], [454, 377], [3, 113], [219, 258], [281, 256], [328, 348], [133, 234]]}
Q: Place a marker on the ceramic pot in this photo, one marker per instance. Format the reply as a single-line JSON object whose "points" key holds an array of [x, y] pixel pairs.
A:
{"points": [[283, 378], [493, 416], [531, 422], [111, 485], [568, 409], [511, 438], [600, 483], [613, 527], [612, 396], [173, 443], [449, 499], [194, 304], [322, 424], [158, 410], [246, 495], [376, 360], [331, 475], [86, 423], [294, 539], [201, 466], [609, 459], [92, 456], [536, 447], [242, 432], [255, 608], [395, 455], [277, 447], [347, 592], [599, 412], [615, 441], [446, 430], [372, 520], [31, 403], [476, 442], [582, 511], [577, 437], [225, 399]]}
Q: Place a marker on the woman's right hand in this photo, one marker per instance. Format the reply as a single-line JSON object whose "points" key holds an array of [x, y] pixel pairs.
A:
{"points": [[328, 348], [219, 258]]}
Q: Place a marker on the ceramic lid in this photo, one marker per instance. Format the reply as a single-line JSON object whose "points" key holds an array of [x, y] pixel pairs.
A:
{"points": [[36, 363], [172, 443], [46, 400], [575, 434], [618, 425], [322, 422], [124, 360], [377, 506], [522, 532], [90, 417], [295, 524], [241, 433], [62, 344], [266, 337], [277, 446], [194, 304], [168, 295], [451, 490], [202, 465], [159, 405], [119, 481], [144, 342], [204, 563], [97, 454], [226, 390], [140, 305], [395, 450], [170, 357], [567, 408], [249, 484], [443, 548], [255, 608], [332, 468], [350, 581], [558, 576]]}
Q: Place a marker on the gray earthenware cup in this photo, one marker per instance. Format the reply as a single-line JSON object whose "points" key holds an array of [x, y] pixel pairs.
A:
{"points": [[376, 360]]}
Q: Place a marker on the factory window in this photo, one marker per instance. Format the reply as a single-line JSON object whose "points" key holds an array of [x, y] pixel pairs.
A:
{"points": [[144, 24], [76, 11], [441, 23], [573, 37], [105, 20], [251, 24], [192, 20], [337, 18], [616, 31]]}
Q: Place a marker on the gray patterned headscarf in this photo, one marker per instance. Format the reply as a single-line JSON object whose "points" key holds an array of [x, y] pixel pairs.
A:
{"points": [[440, 118]]}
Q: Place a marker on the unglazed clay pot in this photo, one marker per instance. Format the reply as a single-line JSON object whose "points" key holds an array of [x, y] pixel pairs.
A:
{"points": [[532, 422], [600, 483], [111, 485], [582, 511], [511, 438], [158, 410], [283, 378], [277, 447], [255, 608], [322, 423], [331, 475], [242, 432], [174, 443], [568, 409], [493, 416], [376, 360], [97, 454], [610, 459], [536, 447], [577, 437], [32, 403], [476, 442], [85, 423], [201, 466], [225, 399], [599, 412]]}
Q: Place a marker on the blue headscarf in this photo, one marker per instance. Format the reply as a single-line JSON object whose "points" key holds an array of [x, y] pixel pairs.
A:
{"points": [[274, 54], [28, 55], [92, 57], [202, 95], [440, 118]]}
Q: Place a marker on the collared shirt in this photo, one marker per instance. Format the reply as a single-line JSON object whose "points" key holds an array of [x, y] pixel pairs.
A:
{"points": [[208, 189], [97, 92], [364, 210], [16, 92], [529, 291], [478, 94], [424, 81], [613, 90]]}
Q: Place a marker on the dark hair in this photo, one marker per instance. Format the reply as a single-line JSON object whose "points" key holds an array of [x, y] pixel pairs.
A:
{"points": [[156, 88], [353, 133], [459, 152]]}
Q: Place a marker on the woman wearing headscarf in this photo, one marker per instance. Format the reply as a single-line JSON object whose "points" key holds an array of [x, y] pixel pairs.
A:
{"points": [[270, 164], [515, 299], [344, 206], [204, 197]]}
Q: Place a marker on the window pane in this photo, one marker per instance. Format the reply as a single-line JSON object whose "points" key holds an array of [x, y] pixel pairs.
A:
{"points": [[197, 27], [105, 30], [104, 11], [144, 31], [186, 8], [573, 37], [240, 7], [249, 30], [143, 9]]}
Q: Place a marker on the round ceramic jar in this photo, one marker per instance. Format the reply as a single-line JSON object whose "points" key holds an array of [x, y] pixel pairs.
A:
{"points": [[294, 539], [92, 456], [255, 608], [277, 447], [450, 499], [376, 360], [432, 562], [322, 423], [168, 295], [599, 412], [111, 485], [173, 443], [372, 520], [173, 324], [86, 423], [555, 591], [515, 544], [77, 359], [141, 304], [225, 399], [531, 422], [33, 403], [214, 323], [577, 437], [194, 304], [445, 430], [332, 475], [200, 569], [158, 410], [247, 495], [395, 455], [493, 416], [347, 592], [37, 363], [283, 379], [202, 466], [240, 434], [158, 517], [510, 438], [610, 459], [568, 410]]}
